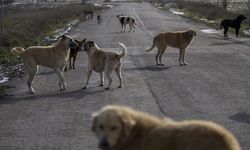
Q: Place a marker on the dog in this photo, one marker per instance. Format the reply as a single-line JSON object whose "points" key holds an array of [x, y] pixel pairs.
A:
{"points": [[73, 53], [124, 20], [122, 128], [99, 18], [103, 61], [54, 57], [235, 23], [180, 39]]}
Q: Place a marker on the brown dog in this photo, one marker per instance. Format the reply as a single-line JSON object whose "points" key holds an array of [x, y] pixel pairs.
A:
{"points": [[121, 128], [54, 57], [73, 53], [181, 40], [104, 61]]}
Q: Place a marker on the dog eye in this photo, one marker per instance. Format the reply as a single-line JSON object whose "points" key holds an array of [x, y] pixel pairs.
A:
{"points": [[101, 127], [113, 128]]}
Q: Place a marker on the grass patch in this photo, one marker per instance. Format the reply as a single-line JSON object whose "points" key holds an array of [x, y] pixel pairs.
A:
{"points": [[210, 13]]}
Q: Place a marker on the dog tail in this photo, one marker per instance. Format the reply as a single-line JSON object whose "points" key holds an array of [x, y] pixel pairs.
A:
{"points": [[152, 47], [124, 50], [17, 51]]}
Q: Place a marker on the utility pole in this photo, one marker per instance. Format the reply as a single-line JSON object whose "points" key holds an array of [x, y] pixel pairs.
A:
{"points": [[2, 27]]}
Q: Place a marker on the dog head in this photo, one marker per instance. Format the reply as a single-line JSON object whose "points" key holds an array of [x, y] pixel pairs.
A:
{"points": [[87, 45], [241, 17], [111, 126], [80, 44], [190, 34], [67, 40]]}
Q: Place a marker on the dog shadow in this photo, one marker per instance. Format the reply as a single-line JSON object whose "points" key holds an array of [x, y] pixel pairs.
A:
{"points": [[240, 117], [73, 95], [152, 68]]}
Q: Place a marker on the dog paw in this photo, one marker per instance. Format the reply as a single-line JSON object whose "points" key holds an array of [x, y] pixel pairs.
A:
{"points": [[101, 84], [162, 64], [120, 86], [84, 87], [107, 88]]}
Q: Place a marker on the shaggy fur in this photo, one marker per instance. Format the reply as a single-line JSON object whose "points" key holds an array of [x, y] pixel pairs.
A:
{"points": [[103, 61], [124, 20], [73, 53], [54, 57], [181, 40], [122, 128], [235, 23]]}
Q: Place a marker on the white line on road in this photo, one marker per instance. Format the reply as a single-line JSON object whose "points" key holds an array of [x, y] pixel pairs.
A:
{"points": [[149, 32]]}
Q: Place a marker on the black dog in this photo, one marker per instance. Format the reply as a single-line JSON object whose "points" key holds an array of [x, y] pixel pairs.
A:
{"points": [[233, 24]]}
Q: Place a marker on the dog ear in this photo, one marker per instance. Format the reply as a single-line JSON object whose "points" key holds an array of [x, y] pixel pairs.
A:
{"points": [[63, 36], [91, 43], [94, 120], [128, 124]]}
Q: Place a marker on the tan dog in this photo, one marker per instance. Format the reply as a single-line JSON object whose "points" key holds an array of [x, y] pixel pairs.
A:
{"points": [[181, 40], [54, 57], [103, 61], [121, 128]]}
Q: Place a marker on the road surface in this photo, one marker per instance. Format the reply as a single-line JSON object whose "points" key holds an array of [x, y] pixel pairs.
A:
{"points": [[215, 85]]}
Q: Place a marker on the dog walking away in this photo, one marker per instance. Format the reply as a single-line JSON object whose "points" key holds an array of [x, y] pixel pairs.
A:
{"points": [[124, 20], [54, 57], [179, 39], [235, 23], [103, 61], [73, 53], [122, 128], [99, 18]]}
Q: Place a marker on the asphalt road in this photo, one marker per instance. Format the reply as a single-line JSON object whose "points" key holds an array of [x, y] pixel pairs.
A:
{"points": [[215, 85]]}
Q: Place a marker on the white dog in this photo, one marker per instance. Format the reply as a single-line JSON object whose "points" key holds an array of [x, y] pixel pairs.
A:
{"points": [[104, 61]]}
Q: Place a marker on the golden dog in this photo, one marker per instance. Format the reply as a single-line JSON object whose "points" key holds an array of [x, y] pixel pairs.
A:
{"points": [[181, 40], [121, 128], [104, 61], [54, 57]]}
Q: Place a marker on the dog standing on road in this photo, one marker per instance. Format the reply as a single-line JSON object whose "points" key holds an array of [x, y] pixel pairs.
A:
{"points": [[124, 20], [54, 57], [236, 23], [122, 128], [180, 39], [103, 61], [73, 53]]}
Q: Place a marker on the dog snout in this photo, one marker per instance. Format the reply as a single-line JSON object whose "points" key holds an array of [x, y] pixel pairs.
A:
{"points": [[103, 144]]}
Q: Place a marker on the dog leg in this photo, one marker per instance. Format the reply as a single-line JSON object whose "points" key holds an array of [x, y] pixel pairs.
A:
{"points": [[225, 31], [107, 73], [125, 27], [88, 77], [161, 54], [130, 26], [133, 27], [70, 65], [62, 83], [237, 32], [180, 56], [32, 73], [119, 74], [102, 79], [183, 56]]}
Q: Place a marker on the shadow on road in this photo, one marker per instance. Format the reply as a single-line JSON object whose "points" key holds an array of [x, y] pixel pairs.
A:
{"points": [[152, 68], [77, 94], [241, 117]]}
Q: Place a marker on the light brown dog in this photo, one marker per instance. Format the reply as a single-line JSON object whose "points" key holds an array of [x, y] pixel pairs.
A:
{"points": [[103, 61], [181, 40], [54, 57], [122, 128]]}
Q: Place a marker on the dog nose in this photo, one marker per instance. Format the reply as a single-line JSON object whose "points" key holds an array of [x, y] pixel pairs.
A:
{"points": [[103, 143]]}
